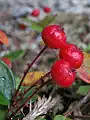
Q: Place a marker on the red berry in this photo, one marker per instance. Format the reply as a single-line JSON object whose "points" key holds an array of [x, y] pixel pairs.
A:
{"points": [[7, 61], [62, 73], [47, 9], [35, 12], [72, 54], [54, 36]]}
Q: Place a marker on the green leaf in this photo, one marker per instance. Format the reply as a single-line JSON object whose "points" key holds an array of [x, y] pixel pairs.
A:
{"points": [[36, 27], [87, 49], [17, 79], [3, 100], [3, 112], [83, 90], [7, 82], [47, 20], [15, 54], [61, 117]]}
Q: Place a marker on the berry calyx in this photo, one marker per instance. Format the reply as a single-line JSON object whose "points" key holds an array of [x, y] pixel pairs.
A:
{"points": [[62, 73], [47, 9], [35, 12], [7, 61], [72, 54], [54, 36]]}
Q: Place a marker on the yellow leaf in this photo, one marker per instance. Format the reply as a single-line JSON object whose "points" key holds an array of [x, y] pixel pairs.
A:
{"points": [[84, 70], [32, 77], [3, 38]]}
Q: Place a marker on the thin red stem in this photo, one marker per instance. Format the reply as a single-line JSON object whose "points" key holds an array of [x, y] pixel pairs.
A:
{"points": [[30, 88], [29, 66], [14, 113], [37, 82]]}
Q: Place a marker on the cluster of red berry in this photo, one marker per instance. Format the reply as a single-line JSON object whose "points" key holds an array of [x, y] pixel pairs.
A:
{"points": [[36, 12], [71, 57]]}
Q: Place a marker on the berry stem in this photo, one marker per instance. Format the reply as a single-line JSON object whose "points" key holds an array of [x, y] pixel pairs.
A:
{"points": [[28, 68], [14, 113], [19, 100]]}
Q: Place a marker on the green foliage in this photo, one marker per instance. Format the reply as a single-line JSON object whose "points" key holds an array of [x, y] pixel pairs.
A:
{"points": [[15, 54], [61, 117], [3, 112], [34, 25], [87, 48], [38, 26], [3, 100], [40, 118], [17, 79], [47, 20], [83, 90], [7, 82]]}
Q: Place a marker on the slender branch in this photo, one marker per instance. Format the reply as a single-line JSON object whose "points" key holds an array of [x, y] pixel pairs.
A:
{"points": [[79, 104], [25, 73], [37, 82], [19, 100], [14, 113], [80, 116]]}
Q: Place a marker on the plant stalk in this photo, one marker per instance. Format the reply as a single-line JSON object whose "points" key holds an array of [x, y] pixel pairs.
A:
{"points": [[28, 68], [19, 100]]}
